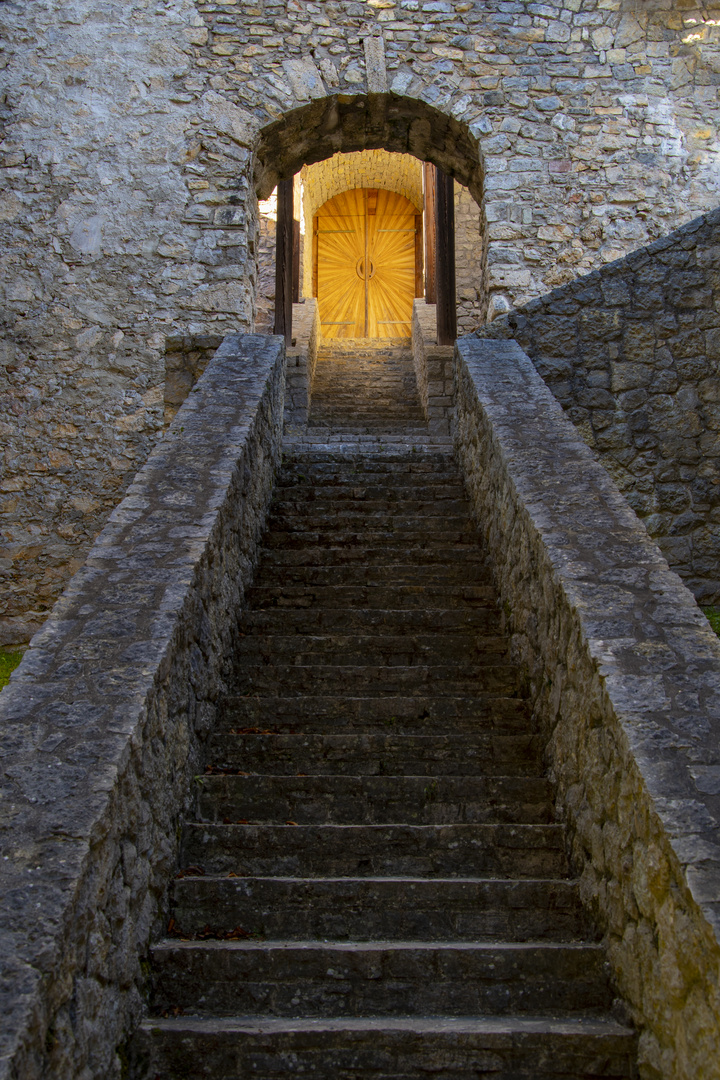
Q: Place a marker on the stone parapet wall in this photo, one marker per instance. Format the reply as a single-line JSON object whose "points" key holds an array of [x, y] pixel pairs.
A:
{"points": [[186, 357], [102, 723], [632, 352], [434, 370], [624, 681], [301, 360]]}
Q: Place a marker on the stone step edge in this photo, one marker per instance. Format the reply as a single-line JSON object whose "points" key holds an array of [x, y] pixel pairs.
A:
{"points": [[506, 1028], [225, 773], [375, 946], [213, 879]]}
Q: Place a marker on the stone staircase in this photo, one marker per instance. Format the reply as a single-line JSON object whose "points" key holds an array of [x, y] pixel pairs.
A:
{"points": [[374, 884]]}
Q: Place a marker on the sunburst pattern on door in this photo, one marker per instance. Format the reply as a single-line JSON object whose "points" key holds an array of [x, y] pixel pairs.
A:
{"points": [[365, 259]]}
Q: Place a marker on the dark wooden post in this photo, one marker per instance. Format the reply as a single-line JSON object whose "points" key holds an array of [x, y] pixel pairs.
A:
{"points": [[419, 286], [429, 228], [296, 262], [284, 260], [445, 259]]}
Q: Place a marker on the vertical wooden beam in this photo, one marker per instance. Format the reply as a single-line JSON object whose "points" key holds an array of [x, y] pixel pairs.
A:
{"points": [[419, 285], [284, 260], [429, 230], [445, 259], [296, 263]]}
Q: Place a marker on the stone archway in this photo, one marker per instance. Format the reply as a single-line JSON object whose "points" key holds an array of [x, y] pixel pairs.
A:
{"points": [[341, 124]]}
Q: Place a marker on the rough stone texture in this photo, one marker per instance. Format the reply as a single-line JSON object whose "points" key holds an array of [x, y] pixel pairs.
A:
{"points": [[625, 682], [111, 243], [632, 352], [185, 360], [434, 370], [265, 293], [595, 117], [133, 137], [301, 359], [471, 281], [423, 877], [103, 720]]}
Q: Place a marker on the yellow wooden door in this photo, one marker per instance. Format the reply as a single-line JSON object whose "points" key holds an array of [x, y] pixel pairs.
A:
{"points": [[365, 261]]}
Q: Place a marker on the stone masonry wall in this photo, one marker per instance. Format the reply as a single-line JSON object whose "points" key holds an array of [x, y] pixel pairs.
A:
{"points": [[471, 281], [624, 680], [434, 370], [102, 722], [632, 352], [135, 137], [265, 294], [301, 360], [111, 242], [185, 360]]}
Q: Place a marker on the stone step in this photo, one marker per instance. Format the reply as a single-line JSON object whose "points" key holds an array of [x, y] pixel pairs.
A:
{"points": [[455, 558], [386, 1048], [398, 850], [431, 572], [358, 519], [356, 679], [375, 908], [394, 536], [315, 620], [355, 505], [341, 416], [381, 574], [389, 713], [401, 649], [420, 601], [327, 466], [378, 754], [371, 800], [355, 449], [394, 395], [289, 978], [373, 438], [339, 484]]}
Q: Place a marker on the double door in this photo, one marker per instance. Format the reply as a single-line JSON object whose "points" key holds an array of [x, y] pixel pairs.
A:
{"points": [[367, 263]]}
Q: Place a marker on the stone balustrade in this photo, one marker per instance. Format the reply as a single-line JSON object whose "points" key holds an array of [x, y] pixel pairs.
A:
{"points": [[101, 725], [624, 680]]}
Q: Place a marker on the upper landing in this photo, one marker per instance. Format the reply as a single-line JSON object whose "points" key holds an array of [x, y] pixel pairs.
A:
{"points": [[365, 398]]}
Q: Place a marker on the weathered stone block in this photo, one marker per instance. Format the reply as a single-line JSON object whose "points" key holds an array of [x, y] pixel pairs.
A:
{"points": [[629, 376]]}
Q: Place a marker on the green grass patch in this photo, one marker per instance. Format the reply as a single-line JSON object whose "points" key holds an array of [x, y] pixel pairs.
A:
{"points": [[713, 617], [9, 660]]}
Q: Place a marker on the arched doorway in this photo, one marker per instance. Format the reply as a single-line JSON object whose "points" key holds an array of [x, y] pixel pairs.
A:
{"points": [[344, 124], [367, 264]]}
